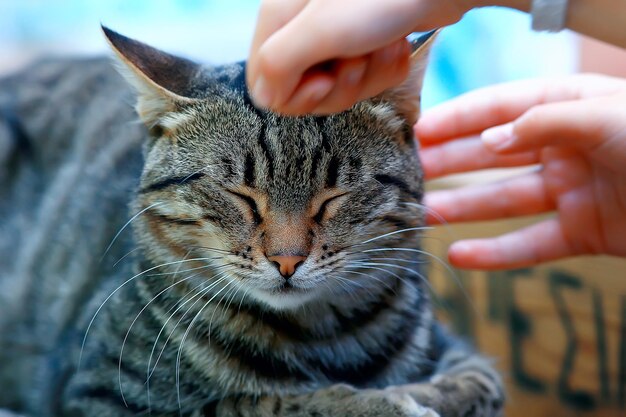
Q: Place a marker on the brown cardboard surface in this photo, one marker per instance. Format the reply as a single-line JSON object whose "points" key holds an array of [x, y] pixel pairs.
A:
{"points": [[557, 332]]}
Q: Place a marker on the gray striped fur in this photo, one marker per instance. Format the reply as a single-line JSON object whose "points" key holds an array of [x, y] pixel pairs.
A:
{"points": [[207, 325]]}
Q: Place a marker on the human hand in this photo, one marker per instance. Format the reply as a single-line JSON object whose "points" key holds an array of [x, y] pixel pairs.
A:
{"points": [[574, 128], [322, 56]]}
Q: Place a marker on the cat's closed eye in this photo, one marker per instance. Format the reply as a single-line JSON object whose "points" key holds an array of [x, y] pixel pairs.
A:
{"points": [[323, 210], [251, 204]]}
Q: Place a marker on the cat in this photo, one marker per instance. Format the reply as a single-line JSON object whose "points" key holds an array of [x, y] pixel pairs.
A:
{"points": [[270, 266]]}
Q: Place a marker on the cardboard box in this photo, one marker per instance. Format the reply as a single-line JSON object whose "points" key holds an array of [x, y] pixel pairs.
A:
{"points": [[557, 332]]}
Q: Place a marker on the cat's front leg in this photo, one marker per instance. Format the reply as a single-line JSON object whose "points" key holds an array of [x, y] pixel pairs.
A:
{"points": [[334, 401], [465, 386]]}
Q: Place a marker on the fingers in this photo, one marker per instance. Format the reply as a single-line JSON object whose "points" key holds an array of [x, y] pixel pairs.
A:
{"points": [[468, 154], [518, 196], [572, 123], [349, 80], [380, 70], [541, 242], [595, 126], [273, 15], [476, 111], [307, 97], [308, 33], [388, 67]]}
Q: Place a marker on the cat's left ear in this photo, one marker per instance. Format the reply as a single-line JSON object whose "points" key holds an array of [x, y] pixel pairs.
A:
{"points": [[407, 96], [163, 81]]}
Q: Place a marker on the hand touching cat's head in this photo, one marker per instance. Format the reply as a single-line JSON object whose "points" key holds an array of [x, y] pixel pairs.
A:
{"points": [[288, 210]]}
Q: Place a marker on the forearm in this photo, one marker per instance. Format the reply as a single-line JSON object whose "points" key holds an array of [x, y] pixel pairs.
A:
{"points": [[600, 19]]}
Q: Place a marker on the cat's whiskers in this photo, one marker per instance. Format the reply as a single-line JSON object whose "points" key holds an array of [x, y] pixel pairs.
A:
{"points": [[404, 268], [126, 255], [218, 250], [148, 374], [119, 374], [373, 277], [220, 278], [196, 172], [206, 167], [413, 250], [370, 265], [410, 261], [442, 221], [401, 267], [451, 272], [373, 263], [342, 282], [158, 203], [178, 306], [243, 297], [395, 232], [232, 298], [174, 273], [347, 283], [180, 265], [435, 296], [119, 288], [330, 289], [234, 291], [427, 209], [184, 338], [440, 261]]}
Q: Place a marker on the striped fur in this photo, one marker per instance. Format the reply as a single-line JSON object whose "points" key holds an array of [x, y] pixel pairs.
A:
{"points": [[184, 314]]}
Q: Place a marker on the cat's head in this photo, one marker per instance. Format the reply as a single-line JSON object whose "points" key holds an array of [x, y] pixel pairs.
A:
{"points": [[287, 210]]}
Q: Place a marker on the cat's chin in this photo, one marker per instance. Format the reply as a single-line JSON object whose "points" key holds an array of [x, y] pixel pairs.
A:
{"points": [[285, 298]]}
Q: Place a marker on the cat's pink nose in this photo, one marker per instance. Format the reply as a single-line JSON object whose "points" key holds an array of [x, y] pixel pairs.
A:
{"points": [[287, 264]]}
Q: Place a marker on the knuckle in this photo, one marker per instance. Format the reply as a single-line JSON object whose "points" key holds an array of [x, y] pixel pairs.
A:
{"points": [[266, 61], [531, 119]]}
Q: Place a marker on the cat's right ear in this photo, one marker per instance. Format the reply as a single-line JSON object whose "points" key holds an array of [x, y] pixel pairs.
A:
{"points": [[162, 81]]}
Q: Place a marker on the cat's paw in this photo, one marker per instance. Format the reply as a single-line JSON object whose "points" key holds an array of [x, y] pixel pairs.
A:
{"points": [[346, 401], [390, 403], [477, 394], [335, 401]]}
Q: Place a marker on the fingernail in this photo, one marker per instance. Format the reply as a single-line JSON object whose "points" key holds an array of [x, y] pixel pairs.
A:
{"points": [[261, 93], [434, 199], [355, 75], [499, 137], [461, 248], [322, 89]]}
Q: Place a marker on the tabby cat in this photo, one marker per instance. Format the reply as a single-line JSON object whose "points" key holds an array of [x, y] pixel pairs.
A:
{"points": [[270, 266]]}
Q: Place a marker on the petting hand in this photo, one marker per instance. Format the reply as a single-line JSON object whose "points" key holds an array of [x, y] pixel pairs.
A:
{"points": [[322, 56], [573, 128]]}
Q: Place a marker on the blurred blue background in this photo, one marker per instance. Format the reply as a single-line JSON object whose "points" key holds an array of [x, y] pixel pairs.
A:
{"points": [[488, 46]]}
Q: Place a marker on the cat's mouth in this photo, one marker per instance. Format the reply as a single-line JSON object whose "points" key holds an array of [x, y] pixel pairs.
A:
{"points": [[288, 288]]}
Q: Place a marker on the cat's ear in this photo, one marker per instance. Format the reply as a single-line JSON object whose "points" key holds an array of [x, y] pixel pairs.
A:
{"points": [[407, 96], [162, 81]]}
